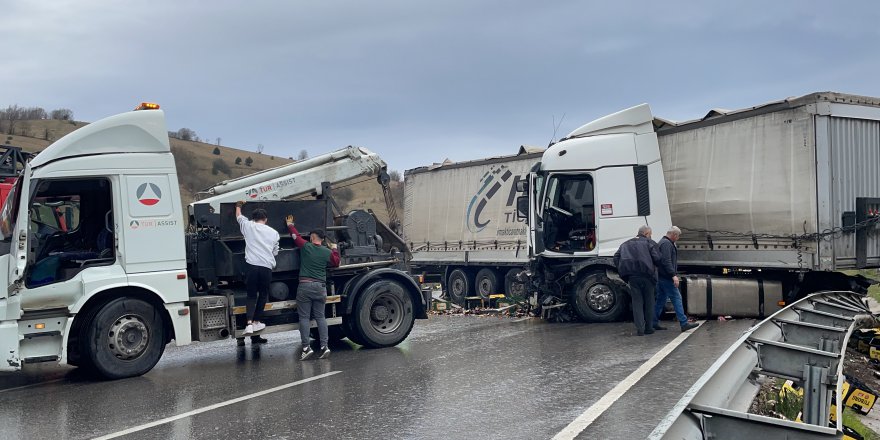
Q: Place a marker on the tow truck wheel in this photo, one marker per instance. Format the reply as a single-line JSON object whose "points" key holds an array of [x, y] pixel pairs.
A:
{"points": [[487, 283], [458, 285], [596, 298], [125, 338], [383, 314]]}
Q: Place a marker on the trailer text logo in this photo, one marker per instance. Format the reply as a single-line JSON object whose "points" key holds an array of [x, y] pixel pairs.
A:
{"points": [[149, 194], [490, 184]]}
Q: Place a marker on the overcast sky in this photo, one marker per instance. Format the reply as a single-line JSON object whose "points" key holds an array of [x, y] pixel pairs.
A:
{"points": [[419, 81]]}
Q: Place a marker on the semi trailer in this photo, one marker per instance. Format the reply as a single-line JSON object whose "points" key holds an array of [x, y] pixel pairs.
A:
{"points": [[121, 269], [774, 202], [461, 226]]}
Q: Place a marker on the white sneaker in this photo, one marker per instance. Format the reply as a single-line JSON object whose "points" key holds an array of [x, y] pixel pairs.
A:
{"points": [[249, 329], [259, 326]]}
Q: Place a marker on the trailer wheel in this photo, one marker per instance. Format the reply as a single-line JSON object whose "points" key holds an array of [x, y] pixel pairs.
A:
{"points": [[512, 287], [595, 298], [487, 283], [458, 285], [125, 338], [383, 315]]}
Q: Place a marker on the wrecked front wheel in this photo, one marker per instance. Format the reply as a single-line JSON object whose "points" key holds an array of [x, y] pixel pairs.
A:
{"points": [[596, 298]]}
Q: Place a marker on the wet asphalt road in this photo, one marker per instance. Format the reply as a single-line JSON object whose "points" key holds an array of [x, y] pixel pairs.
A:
{"points": [[454, 377]]}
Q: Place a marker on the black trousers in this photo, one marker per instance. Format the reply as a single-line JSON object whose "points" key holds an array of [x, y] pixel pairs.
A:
{"points": [[641, 290], [258, 280]]}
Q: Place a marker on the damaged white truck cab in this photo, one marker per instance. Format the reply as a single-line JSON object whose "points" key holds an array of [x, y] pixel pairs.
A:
{"points": [[590, 193], [93, 268]]}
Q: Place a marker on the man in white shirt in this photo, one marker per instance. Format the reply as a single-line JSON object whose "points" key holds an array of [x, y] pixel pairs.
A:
{"points": [[261, 247]]}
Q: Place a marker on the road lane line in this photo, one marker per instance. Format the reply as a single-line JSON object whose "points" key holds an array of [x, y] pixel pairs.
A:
{"points": [[31, 385], [213, 407], [593, 412]]}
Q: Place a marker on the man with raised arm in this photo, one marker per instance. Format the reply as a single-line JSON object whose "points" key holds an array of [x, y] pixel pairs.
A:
{"points": [[311, 294], [261, 247]]}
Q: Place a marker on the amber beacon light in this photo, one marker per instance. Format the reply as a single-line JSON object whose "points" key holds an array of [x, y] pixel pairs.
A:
{"points": [[147, 106]]}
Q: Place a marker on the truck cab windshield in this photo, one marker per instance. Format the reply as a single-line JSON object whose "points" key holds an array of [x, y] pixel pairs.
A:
{"points": [[569, 214]]}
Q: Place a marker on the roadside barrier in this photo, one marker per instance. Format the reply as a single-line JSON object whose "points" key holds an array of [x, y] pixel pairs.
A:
{"points": [[805, 342]]}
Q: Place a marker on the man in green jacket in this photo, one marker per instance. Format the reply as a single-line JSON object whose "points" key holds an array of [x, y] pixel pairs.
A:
{"points": [[311, 293]]}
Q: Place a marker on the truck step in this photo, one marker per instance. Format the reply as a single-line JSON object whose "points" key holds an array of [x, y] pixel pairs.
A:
{"points": [[283, 305], [239, 333]]}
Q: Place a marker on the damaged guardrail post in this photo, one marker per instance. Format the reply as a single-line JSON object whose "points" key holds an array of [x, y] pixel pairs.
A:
{"points": [[804, 342]]}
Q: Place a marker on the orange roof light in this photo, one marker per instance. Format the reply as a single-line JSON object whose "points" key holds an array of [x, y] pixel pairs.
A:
{"points": [[147, 106]]}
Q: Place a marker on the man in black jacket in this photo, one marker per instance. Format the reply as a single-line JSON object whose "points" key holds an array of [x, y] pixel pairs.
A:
{"points": [[667, 283], [636, 262]]}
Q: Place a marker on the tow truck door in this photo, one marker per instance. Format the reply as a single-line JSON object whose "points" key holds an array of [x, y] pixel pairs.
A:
{"points": [[18, 252], [15, 262]]}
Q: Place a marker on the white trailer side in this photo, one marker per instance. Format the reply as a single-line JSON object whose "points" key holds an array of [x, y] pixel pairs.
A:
{"points": [[776, 186], [461, 217]]}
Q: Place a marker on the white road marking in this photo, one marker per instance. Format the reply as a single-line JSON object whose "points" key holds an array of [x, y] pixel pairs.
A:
{"points": [[31, 385], [593, 412], [213, 407]]}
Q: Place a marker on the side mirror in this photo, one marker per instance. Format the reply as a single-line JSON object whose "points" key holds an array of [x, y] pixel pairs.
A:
{"points": [[522, 185], [522, 208]]}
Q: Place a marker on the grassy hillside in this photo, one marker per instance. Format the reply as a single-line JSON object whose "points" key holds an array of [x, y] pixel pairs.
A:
{"points": [[195, 163]]}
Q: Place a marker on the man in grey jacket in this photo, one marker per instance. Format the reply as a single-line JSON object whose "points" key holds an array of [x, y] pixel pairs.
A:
{"points": [[636, 262], [667, 282]]}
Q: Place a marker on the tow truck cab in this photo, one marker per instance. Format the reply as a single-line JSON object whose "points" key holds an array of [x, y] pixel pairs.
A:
{"points": [[92, 232]]}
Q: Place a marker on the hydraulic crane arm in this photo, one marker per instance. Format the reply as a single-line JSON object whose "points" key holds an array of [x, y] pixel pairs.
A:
{"points": [[296, 179]]}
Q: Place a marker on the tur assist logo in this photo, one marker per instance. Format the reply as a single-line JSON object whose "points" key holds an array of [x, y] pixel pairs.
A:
{"points": [[490, 183], [149, 194]]}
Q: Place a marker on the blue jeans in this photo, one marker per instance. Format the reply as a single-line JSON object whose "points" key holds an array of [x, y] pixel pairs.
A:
{"points": [[666, 290]]}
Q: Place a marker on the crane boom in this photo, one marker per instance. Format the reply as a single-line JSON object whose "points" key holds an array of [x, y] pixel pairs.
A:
{"points": [[296, 179]]}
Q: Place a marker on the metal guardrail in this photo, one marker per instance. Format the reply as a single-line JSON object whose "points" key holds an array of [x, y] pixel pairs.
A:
{"points": [[804, 342]]}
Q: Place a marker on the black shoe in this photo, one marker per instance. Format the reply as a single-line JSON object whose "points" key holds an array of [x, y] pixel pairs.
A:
{"points": [[658, 327], [638, 333], [689, 326], [258, 340], [649, 332], [240, 342], [324, 353]]}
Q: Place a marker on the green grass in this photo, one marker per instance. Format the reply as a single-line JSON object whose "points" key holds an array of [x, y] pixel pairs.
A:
{"points": [[854, 422]]}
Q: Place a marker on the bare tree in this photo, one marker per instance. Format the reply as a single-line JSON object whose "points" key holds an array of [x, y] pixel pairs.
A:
{"points": [[394, 175], [218, 141], [185, 134], [260, 148], [11, 115], [303, 155], [62, 114]]}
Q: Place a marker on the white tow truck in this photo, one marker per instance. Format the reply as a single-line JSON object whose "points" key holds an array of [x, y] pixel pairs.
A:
{"points": [[100, 268]]}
